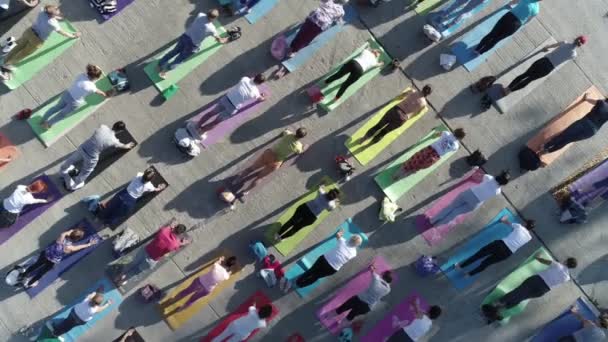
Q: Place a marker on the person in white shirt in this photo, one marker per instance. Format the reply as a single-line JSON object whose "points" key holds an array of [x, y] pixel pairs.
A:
{"points": [[416, 329], [355, 68], [471, 199], [80, 314], [499, 250], [22, 196], [426, 157], [74, 97], [240, 329]]}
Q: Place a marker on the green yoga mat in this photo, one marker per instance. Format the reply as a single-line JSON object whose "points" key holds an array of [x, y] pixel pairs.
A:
{"points": [[62, 127], [426, 6], [364, 152], [31, 65], [208, 47], [394, 190], [529, 268], [287, 245], [329, 91]]}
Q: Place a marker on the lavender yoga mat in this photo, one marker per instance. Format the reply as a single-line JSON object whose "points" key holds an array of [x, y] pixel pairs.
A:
{"points": [[354, 287], [30, 212], [434, 235], [384, 329], [584, 189], [68, 262], [230, 124], [121, 4]]}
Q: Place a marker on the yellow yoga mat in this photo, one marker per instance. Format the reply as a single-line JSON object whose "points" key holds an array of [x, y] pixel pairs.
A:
{"points": [[177, 319], [365, 152]]}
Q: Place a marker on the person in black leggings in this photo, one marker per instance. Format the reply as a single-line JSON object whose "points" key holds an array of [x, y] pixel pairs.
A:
{"points": [[355, 68]]}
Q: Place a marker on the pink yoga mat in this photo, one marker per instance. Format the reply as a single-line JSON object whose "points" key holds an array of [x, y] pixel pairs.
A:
{"points": [[434, 235], [403, 311], [355, 286]]}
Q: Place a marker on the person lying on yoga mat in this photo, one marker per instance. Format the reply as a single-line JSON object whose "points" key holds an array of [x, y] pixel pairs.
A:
{"points": [[65, 245], [80, 314], [231, 103], [88, 154], [240, 329], [499, 250], [471, 199], [457, 11], [533, 287], [33, 39], [509, 23], [23, 195], [204, 285], [590, 332], [190, 42], [355, 68], [426, 157], [416, 329], [4, 5], [412, 103], [74, 97], [307, 213]]}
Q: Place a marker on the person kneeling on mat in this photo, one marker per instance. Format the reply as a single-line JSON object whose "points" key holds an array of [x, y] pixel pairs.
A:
{"points": [[80, 314], [240, 329], [307, 213], [499, 250], [590, 332], [415, 330], [23, 195], [412, 103], [431, 154], [355, 68], [533, 287]]}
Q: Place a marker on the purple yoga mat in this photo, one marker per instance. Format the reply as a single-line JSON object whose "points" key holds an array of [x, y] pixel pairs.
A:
{"points": [[230, 124], [121, 4], [30, 212], [384, 329], [583, 190], [68, 262], [355, 286]]}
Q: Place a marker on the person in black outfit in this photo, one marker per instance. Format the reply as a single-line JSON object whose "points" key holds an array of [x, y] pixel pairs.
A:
{"points": [[355, 68]]}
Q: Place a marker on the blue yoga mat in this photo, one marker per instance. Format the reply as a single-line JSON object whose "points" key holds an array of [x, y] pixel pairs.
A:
{"points": [[309, 259], [291, 64], [566, 324], [492, 231], [463, 49], [446, 32], [259, 10]]}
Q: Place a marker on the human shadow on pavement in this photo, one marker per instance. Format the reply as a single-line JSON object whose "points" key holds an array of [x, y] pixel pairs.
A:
{"points": [[16, 13]]}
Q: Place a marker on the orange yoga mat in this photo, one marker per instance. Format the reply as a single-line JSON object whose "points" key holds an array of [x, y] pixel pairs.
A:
{"points": [[7, 150]]}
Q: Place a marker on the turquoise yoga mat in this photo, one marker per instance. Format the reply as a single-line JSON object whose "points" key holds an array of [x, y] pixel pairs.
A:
{"points": [[259, 10]]}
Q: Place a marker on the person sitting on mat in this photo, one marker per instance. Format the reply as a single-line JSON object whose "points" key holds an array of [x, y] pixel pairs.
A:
{"points": [[65, 245], [203, 285], [23, 195], [426, 157], [415, 330], [88, 154], [499, 250], [80, 314], [74, 97], [365, 301], [590, 332], [533, 287], [190, 42], [472, 198], [355, 68], [509, 23], [412, 103], [241, 328], [457, 11], [33, 39], [231, 103], [307, 213]]}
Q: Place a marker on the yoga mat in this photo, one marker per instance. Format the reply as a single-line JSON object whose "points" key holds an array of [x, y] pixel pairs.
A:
{"points": [[61, 128], [209, 46], [566, 323], [529, 268], [434, 235], [177, 319], [495, 230], [425, 6], [588, 187], [403, 311], [53, 47], [225, 127], [259, 10], [7, 150], [260, 299], [109, 292], [289, 244], [365, 152], [111, 155], [31, 212], [309, 258], [68, 262], [135, 336], [291, 64], [561, 191], [575, 111], [447, 32], [463, 49], [395, 189], [120, 5], [503, 103], [329, 91], [355, 286]]}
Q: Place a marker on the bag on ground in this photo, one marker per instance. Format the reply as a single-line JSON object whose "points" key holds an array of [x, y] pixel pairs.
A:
{"points": [[431, 33], [426, 265], [124, 243], [119, 80], [388, 211], [528, 159], [105, 6], [278, 49], [150, 292], [447, 61], [185, 143], [258, 250]]}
